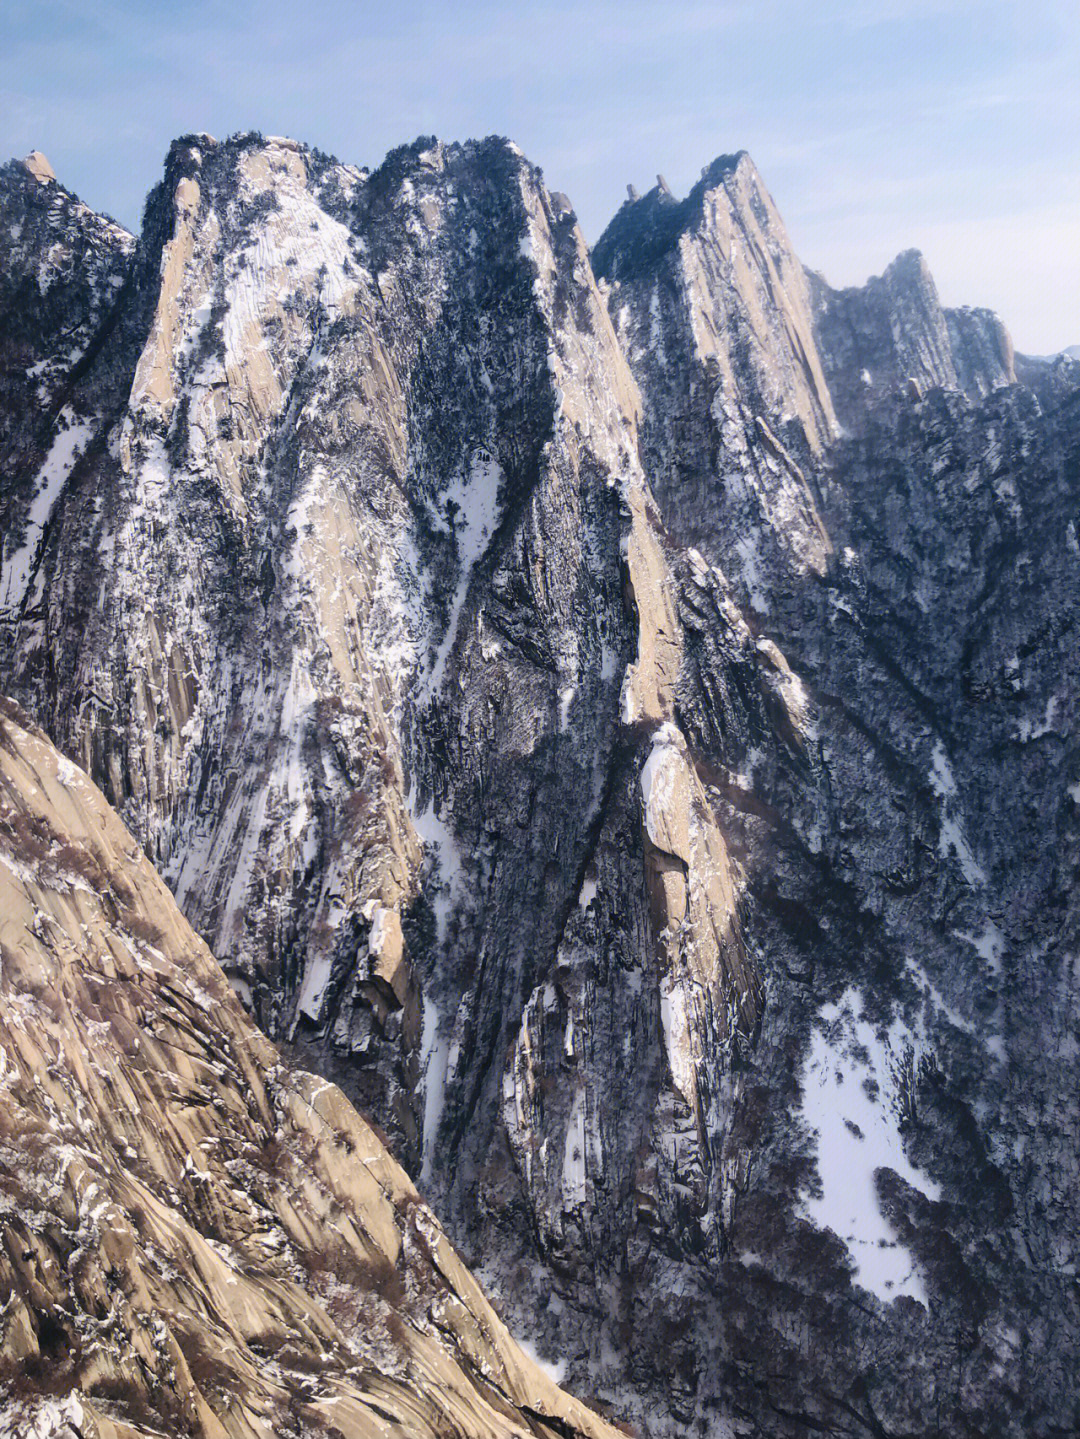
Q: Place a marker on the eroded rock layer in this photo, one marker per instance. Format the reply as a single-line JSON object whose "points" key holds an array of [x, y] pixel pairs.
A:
{"points": [[194, 1238]]}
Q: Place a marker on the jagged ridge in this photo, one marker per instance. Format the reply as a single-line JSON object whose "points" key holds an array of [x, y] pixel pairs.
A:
{"points": [[587, 751]]}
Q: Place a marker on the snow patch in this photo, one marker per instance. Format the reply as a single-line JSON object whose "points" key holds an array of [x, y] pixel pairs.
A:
{"points": [[316, 978], [988, 945], [678, 1046], [434, 1065], [628, 709], [954, 841], [934, 999], [851, 1102], [446, 873], [42, 1418], [566, 699], [472, 516], [1027, 729], [750, 564], [556, 1371], [951, 837], [573, 1174], [941, 776]]}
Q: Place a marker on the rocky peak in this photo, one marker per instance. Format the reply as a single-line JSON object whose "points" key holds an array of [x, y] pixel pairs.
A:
{"points": [[715, 315], [61, 282], [893, 333], [982, 350], [647, 225], [37, 165]]}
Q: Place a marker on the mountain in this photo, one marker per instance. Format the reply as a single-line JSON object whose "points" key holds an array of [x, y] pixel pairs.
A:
{"points": [[198, 1239], [609, 712]]}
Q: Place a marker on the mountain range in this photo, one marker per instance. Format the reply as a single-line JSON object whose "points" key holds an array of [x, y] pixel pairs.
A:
{"points": [[608, 716]]}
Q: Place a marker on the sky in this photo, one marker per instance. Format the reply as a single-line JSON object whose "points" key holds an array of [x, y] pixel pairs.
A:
{"points": [[951, 126]]}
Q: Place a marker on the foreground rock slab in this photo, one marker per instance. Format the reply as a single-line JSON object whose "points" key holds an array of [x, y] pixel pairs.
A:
{"points": [[196, 1239]]}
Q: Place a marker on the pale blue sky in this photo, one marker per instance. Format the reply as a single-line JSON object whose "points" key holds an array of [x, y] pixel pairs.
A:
{"points": [[953, 126]]}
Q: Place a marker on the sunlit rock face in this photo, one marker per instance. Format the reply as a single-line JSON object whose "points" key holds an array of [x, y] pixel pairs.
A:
{"points": [[612, 714], [717, 318], [195, 1238]]}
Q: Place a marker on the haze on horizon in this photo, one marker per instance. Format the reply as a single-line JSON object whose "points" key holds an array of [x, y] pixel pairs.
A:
{"points": [[953, 127]]}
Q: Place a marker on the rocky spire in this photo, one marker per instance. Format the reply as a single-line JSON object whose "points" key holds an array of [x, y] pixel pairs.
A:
{"points": [[37, 165]]}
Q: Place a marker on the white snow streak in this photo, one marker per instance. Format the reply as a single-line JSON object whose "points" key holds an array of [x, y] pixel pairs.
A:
{"points": [[951, 838], [573, 1175], [857, 1133], [434, 1062], [954, 841], [42, 1418], [473, 521], [446, 876], [18, 566], [941, 776]]}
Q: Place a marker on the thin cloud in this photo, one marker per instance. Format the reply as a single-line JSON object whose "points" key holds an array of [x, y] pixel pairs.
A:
{"points": [[872, 124]]}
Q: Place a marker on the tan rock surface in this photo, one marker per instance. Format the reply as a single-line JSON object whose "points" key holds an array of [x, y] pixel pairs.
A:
{"points": [[193, 1238], [39, 167]]}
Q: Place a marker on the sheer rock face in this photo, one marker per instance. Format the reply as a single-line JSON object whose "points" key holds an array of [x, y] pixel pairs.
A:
{"points": [[893, 333], [195, 1239], [360, 613], [361, 461], [624, 746], [716, 316], [877, 840], [724, 257]]}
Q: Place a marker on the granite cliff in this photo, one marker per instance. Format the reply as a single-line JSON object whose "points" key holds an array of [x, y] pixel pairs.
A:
{"points": [[610, 712], [194, 1237]]}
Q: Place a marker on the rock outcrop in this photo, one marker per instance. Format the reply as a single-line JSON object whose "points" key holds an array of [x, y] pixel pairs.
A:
{"points": [[195, 1238], [894, 334], [61, 282], [717, 319]]}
